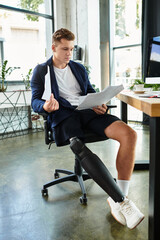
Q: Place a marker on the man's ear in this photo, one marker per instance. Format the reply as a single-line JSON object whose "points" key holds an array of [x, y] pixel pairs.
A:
{"points": [[53, 47]]}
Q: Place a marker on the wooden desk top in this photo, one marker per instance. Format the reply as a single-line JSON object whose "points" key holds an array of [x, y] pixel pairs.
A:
{"points": [[150, 106]]}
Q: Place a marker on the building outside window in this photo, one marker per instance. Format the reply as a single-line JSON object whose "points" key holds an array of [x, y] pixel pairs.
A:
{"points": [[26, 35]]}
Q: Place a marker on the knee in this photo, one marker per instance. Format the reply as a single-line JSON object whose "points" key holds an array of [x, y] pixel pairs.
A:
{"points": [[121, 132], [130, 136]]}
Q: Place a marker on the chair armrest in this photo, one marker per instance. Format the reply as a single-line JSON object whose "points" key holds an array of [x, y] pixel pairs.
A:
{"points": [[44, 115], [109, 107]]}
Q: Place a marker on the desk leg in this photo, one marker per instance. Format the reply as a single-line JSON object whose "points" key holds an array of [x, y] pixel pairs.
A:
{"points": [[124, 112], [154, 179], [141, 164]]}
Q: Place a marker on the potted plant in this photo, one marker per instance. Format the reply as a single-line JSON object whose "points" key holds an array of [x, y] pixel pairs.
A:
{"points": [[4, 72], [88, 69], [26, 79], [138, 85], [154, 87]]}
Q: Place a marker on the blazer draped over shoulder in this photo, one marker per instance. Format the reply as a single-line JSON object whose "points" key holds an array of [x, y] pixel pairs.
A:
{"points": [[38, 83]]}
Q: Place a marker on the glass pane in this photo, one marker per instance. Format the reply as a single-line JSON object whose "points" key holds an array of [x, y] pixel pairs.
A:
{"points": [[1, 49], [127, 65], [127, 22], [40, 6], [26, 43]]}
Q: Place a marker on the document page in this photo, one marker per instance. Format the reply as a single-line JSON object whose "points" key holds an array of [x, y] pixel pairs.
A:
{"points": [[97, 99], [47, 86]]}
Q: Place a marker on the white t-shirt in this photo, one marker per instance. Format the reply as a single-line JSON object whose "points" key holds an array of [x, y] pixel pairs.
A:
{"points": [[68, 85]]}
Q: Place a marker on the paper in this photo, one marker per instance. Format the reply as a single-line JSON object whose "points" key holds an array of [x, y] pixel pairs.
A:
{"points": [[153, 94], [47, 86], [97, 99]]}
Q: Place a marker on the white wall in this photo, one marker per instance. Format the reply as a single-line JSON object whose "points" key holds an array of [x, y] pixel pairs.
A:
{"points": [[94, 41], [82, 18]]}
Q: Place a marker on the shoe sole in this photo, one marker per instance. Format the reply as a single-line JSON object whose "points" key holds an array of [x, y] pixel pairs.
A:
{"points": [[137, 224], [113, 214]]}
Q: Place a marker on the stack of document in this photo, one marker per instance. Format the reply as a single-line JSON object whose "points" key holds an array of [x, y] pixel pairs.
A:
{"points": [[97, 99]]}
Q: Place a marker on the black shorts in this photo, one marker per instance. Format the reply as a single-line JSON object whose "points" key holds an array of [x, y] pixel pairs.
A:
{"points": [[75, 124]]}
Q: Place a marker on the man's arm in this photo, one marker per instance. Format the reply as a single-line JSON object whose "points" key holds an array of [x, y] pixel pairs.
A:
{"points": [[37, 85]]}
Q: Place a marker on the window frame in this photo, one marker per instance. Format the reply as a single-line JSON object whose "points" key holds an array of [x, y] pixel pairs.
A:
{"points": [[24, 11], [113, 47], [48, 16], [112, 53]]}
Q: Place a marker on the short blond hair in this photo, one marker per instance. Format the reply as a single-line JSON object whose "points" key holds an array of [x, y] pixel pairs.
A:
{"points": [[62, 33]]}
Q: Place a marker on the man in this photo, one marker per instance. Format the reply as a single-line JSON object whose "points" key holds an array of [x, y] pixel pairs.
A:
{"points": [[69, 81]]}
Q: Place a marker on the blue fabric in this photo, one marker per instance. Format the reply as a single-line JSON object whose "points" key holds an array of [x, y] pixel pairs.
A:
{"points": [[37, 86]]}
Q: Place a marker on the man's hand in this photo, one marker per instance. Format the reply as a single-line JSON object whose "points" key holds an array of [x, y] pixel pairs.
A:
{"points": [[51, 105], [100, 109]]}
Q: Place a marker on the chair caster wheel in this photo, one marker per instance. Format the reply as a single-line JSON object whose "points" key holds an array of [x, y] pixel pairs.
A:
{"points": [[56, 175], [44, 192], [83, 200]]}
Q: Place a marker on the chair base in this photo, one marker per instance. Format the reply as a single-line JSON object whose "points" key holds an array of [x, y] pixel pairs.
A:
{"points": [[78, 175]]}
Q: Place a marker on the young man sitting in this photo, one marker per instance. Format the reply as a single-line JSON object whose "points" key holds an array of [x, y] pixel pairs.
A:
{"points": [[69, 81]]}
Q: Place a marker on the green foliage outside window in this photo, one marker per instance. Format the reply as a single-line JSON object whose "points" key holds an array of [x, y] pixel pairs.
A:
{"points": [[120, 25], [137, 15], [119, 18], [32, 5]]}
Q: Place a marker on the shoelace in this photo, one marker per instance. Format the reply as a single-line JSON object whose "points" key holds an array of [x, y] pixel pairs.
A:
{"points": [[127, 208]]}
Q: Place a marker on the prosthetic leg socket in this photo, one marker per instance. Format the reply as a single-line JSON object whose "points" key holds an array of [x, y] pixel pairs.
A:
{"points": [[96, 169]]}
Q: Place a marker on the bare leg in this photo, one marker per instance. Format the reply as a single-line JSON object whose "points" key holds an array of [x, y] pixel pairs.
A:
{"points": [[125, 212], [127, 138]]}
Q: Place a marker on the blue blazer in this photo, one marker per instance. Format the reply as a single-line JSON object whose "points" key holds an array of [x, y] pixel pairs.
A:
{"points": [[37, 86]]}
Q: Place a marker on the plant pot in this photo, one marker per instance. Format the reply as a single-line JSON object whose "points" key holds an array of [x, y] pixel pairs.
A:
{"points": [[139, 87]]}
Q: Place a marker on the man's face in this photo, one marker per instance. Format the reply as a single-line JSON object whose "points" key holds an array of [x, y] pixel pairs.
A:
{"points": [[62, 51]]}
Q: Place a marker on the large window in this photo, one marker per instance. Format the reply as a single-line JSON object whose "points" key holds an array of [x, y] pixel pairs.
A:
{"points": [[126, 40], [26, 31], [126, 56]]}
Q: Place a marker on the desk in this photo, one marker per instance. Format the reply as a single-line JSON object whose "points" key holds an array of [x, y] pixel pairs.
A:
{"points": [[152, 108]]}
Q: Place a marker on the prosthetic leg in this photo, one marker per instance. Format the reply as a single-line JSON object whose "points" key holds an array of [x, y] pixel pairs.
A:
{"points": [[96, 169]]}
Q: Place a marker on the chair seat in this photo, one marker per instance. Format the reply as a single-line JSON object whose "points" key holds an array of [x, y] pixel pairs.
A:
{"points": [[90, 137]]}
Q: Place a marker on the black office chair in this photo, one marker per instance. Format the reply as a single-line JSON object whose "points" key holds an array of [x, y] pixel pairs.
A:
{"points": [[78, 175]]}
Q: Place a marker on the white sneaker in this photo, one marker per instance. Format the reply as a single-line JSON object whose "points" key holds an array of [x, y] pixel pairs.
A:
{"points": [[131, 213], [115, 211]]}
